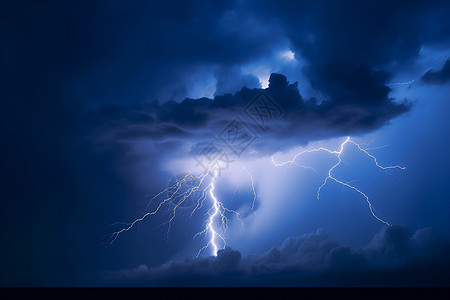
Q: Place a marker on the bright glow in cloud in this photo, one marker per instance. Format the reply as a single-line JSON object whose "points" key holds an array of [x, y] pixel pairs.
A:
{"points": [[261, 71], [275, 62], [288, 55]]}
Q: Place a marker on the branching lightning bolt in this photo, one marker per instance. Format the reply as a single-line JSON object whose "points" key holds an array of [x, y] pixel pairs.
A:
{"points": [[217, 212], [215, 208], [132, 224], [331, 177]]}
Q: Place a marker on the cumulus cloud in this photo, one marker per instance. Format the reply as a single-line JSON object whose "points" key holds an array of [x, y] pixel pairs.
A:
{"points": [[438, 77], [393, 257]]}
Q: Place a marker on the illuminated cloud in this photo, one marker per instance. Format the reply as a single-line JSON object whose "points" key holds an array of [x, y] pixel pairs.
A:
{"points": [[288, 55]]}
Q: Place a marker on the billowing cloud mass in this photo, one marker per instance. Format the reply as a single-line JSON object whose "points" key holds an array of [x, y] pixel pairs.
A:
{"points": [[438, 77], [360, 106], [347, 72], [394, 257]]}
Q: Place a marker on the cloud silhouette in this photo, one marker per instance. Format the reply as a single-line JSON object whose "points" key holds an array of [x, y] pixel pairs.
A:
{"points": [[393, 257], [361, 107], [438, 77]]}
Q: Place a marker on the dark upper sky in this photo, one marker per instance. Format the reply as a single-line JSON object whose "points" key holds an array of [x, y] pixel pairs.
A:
{"points": [[100, 99]]}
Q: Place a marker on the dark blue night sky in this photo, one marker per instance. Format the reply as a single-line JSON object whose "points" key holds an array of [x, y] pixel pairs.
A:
{"points": [[107, 103]]}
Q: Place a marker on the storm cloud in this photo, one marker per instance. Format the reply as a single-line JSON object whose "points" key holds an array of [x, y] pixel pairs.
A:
{"points": [[394, 257], [362, 106], [348, 73]]}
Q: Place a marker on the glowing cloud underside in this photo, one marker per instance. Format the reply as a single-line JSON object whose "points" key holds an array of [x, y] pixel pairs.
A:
{"points": [[217, 221]]}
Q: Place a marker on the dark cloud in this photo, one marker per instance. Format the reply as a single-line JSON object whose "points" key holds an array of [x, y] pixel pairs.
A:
{"points": [[353, 108], [349, 83], [438, 77], [394, 257], [377, 33], [164, 50]]}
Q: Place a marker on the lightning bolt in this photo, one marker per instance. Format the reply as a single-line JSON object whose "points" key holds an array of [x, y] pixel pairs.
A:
{"points": [[215, 208], [338, 154], [217, 212]]}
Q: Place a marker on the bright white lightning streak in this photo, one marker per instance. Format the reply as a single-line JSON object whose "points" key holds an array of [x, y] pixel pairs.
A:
{"points": [[210, 227], [216, 210], [330, 176]]}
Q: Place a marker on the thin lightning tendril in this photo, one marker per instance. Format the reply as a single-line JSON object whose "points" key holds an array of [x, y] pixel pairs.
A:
{"points": [[401, 83], [178, 186], [331, 177], [253, 187]]}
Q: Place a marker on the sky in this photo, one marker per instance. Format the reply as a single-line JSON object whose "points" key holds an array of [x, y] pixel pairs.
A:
{"points": [[105, 104]]}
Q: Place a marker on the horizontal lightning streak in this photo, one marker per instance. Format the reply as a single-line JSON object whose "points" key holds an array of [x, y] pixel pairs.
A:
{"points": [[401, 83]]}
